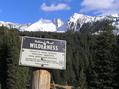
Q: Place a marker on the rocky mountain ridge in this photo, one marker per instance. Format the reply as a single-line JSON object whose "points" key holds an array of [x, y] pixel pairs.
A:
{"points": [[57, 25]]}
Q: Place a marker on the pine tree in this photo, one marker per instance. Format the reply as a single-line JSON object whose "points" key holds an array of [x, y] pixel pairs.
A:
{"points": [[103, 57], [16, 75], [115, 54]]}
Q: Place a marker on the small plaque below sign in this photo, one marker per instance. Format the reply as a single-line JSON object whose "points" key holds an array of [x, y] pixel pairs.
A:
{"points": [[43, 53]]}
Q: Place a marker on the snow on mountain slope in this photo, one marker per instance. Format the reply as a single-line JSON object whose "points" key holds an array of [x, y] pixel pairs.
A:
{"points": [[57, 25], [77, 20], [81, 18], [42, 25], [20, 27], [45, 25], [58, 22]]}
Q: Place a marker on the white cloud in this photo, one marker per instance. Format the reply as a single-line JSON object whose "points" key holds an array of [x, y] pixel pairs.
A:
{"points": [[100, 7], [53, 7]]}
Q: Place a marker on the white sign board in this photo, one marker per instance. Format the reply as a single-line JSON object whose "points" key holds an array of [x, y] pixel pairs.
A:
{"points": [[43, 53]]}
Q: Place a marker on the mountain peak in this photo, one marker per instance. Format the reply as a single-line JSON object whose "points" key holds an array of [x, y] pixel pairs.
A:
{"points": [[58, 22], [77, 16], [42, 25], [77, 20], [44, 21], [57, 25]]}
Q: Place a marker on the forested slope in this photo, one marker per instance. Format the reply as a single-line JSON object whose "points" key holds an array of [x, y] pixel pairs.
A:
{"points": [[92, 60]]}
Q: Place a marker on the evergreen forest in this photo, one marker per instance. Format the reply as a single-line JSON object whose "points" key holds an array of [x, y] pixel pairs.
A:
{"points": [[92, 60]]}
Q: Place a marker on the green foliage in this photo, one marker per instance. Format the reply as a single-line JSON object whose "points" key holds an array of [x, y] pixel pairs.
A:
{"points": [[92, 60], [12, 76], [93, 27]]}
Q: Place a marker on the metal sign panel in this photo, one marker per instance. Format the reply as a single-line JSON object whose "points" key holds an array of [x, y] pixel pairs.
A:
{"points": [[43, 53]]}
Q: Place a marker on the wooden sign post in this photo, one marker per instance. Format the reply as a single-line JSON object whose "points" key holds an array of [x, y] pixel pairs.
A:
{"points": [[41, 79], [43, 53]]}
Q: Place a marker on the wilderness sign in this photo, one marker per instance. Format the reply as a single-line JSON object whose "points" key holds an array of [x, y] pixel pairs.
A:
{"points": [[43, 53]]}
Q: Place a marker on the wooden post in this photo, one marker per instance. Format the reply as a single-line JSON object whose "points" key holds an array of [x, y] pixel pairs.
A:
{"points": [[41, 79]]}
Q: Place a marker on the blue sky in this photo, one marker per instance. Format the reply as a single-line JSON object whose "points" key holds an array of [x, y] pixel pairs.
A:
{"points": [[29, 11]]}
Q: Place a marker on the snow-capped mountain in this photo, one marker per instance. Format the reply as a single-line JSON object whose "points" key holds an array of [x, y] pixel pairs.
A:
{"points": [[77, 20], [14, 25], [41, 25], [45, 25], [57, 25]]}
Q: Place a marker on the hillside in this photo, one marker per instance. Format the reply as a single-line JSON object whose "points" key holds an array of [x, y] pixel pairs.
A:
{"points": [[92, 61]]}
